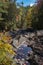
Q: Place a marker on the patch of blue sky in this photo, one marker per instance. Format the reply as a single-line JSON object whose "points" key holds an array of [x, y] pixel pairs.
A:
{"points": [[27, 2]]}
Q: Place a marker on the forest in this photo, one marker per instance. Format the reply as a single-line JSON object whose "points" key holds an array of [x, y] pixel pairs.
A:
{"points": [[15, 16]]}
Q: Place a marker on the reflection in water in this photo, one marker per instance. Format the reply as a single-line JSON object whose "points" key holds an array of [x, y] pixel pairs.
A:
{"points": [[22, 53]]}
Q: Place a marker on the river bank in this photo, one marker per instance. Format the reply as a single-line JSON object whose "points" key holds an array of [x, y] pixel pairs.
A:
{"points": [[29, 39]]}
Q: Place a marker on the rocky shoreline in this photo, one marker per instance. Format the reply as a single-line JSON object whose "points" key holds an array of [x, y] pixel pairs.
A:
{"points": [[36, 56], [34, 40]]}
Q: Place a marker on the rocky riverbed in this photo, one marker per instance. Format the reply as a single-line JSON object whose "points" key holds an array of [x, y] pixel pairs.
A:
{"points": [[27, 45], [35, 42]]}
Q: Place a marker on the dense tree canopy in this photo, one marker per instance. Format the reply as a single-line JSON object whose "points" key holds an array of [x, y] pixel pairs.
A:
{"points": [[16, 16]]}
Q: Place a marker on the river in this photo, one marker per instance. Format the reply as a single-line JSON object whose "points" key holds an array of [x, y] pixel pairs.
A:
{"points": [[22, 54]]}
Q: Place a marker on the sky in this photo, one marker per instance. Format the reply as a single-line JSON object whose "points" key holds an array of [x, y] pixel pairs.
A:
{"points": [[27, 2]]}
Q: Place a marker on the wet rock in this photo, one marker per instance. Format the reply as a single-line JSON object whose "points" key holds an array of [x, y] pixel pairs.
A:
{"points": [[33, 41]]}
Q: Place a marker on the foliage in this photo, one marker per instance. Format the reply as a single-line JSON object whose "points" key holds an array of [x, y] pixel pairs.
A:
{"points": [[13, 16], [40, 13], [6, 51], [29, 17], [37, 21], [3, 14]]}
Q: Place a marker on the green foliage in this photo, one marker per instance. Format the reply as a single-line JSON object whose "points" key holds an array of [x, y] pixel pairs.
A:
{"points": [[40, 13], [18, 17], [34, 17], [6, 53], [3, 14], [37, 20]]}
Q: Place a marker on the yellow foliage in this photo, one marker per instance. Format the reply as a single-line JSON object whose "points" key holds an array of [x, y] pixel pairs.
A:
{"points": [[1, 44], [6, 38], [7, 47], [4, 53], [11, 52]]}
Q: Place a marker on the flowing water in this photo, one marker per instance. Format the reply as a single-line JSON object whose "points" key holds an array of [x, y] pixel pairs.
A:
{"points": [[22, 53]]}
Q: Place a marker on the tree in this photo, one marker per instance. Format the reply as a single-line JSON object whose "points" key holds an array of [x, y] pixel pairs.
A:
{"points": [[34, 22], [12, 13], [37, 19], [3, 14], [8, 12], [21, 16], [29, 17], [6, 53], [40, 13]]}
